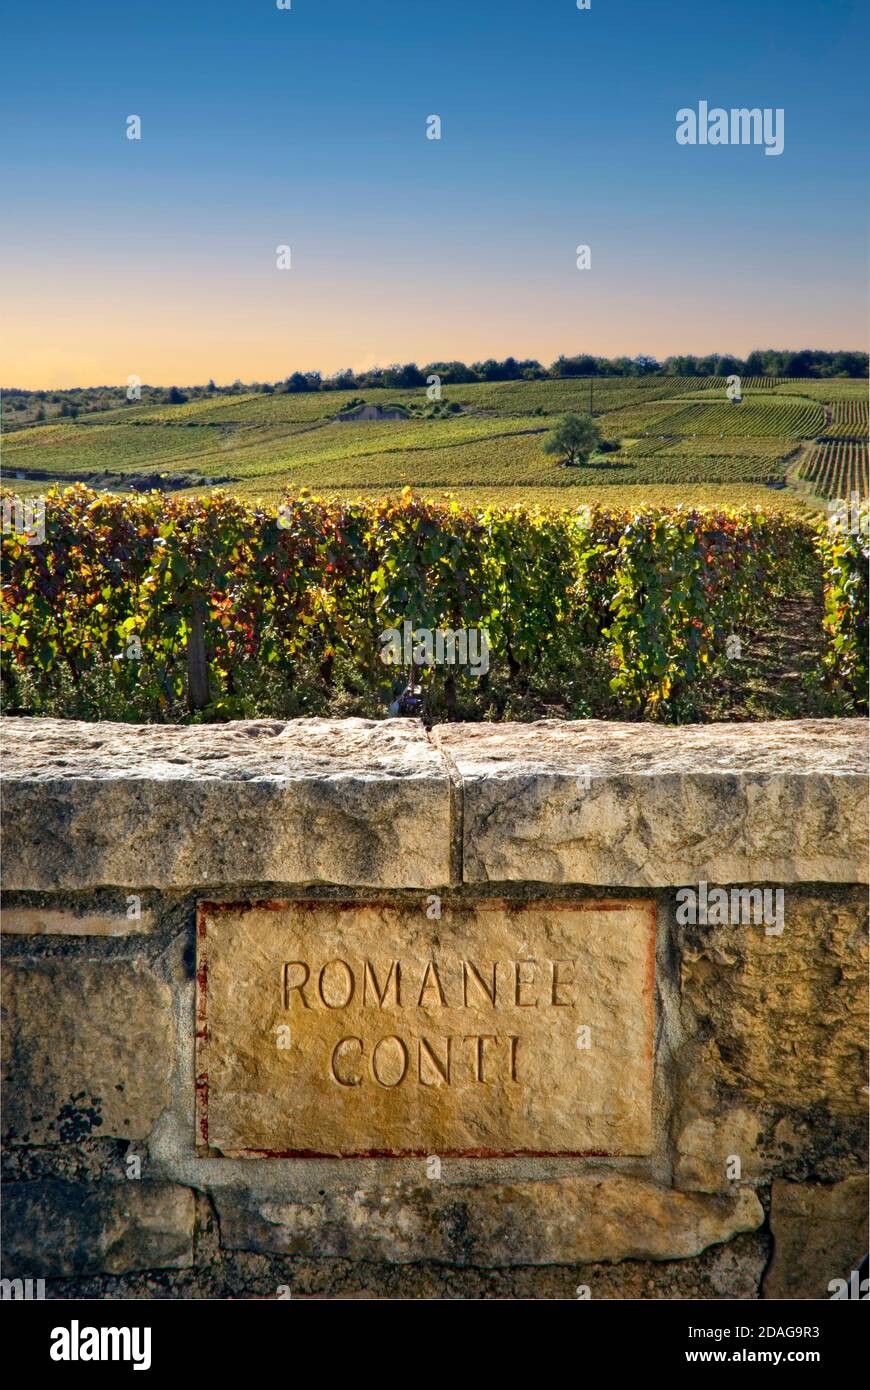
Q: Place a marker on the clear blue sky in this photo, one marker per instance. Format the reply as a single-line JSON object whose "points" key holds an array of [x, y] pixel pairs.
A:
{"points": [[307, 127]]}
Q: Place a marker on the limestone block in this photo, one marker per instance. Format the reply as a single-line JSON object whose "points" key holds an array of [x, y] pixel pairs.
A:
{"points": [[352, 801], [87, 1049], [54, 1229], [643, 805], [819, 1235], [592, 1218]]}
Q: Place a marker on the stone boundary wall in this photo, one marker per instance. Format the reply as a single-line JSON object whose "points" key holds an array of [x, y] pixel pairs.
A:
{"points": [[115, 835]]}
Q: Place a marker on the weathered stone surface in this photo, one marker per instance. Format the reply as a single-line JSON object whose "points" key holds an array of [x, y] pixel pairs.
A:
{"points": [[707, 1146], [87, 1049], [778, 1020], [341, 1028], [371, 803], [817, 1146], [801, 1146], [819, 1234], [42, 921], [642, 805], [58, 1229], [574, 1220], [351, 801], [732, 1270]]}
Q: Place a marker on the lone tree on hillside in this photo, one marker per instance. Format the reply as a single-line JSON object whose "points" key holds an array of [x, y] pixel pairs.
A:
{"points": [[574, 439]]}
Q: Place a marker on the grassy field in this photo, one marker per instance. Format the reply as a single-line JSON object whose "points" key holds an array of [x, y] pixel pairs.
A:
{"points": [[681, 440]]}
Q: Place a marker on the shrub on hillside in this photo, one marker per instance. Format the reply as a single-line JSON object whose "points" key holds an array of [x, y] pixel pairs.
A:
{"points": [[573, 439]]}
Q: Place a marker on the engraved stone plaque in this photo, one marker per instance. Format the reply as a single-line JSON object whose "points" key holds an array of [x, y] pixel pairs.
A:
{"points": [[361, 1029]]}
